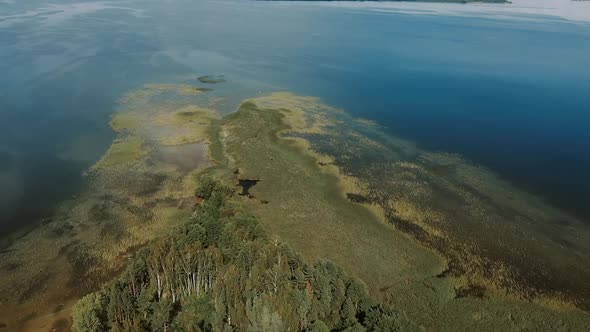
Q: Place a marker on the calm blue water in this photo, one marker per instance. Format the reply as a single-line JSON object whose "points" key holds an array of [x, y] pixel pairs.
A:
{"points": [[511, 94]]}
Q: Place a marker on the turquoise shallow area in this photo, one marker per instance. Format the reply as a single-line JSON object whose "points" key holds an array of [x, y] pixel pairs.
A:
{"points": [[509, 93]]}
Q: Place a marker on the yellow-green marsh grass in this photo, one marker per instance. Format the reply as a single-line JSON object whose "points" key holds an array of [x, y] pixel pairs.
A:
{"points": [[450, 204], [124, 150], [305, 205], [185, 125], [137, 191], [305, 155], [124, 121]]}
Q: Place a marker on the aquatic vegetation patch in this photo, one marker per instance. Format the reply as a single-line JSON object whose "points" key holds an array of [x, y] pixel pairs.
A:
{"points": [[211, 79], [154, 98], [183, 126], [460, 210], [138, 190], [124, 121], [151, 90], [481, 224], [421, 216], [303, 114], [184, 156], [192, 114], [367, 122], [124, 150]]}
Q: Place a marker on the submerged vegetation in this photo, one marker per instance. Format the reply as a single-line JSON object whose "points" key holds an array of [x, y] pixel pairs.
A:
{"points": [[184, 126], [220, 271], [478, 222], [211, 79], [139, 190], [124, 150]]}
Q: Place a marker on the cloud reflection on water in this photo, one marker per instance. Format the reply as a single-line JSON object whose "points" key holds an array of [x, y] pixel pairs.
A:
{"points": [[578, 11]]}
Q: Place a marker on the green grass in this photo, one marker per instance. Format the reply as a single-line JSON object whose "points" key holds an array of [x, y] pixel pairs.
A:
{"points": [[307, 208]]}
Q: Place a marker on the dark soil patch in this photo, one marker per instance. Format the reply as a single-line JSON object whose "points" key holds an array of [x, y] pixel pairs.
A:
{"points": [[358, 198], [470, 291], [11, 267], [58, 308], [60, 325]]}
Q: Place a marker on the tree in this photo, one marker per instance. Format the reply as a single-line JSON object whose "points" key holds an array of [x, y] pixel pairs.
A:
{"points": [[207, 185], [262, 318], [89, 314], [357, 327], [220, 272], [318, 326], [161, 316], [121, 305], [381, 318]]}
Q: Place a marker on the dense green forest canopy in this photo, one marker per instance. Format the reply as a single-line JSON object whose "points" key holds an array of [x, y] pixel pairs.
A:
{"points": [[220, 271]]}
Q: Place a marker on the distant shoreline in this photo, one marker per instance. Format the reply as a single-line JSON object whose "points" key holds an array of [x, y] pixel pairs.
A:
{"points": [[429, 1]]}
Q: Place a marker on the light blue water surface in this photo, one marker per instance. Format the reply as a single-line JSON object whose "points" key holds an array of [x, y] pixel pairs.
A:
{"points": [[512, 94]]}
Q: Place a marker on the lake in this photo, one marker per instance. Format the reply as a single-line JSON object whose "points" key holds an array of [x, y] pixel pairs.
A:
{"points": [[510, 93], [503, 86]]}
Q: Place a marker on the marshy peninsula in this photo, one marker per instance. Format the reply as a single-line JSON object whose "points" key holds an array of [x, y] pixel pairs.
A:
{"points": [[440, 240]]}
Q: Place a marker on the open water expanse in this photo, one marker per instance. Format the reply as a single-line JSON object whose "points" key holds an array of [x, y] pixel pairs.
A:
{"points": [[506, 86]]}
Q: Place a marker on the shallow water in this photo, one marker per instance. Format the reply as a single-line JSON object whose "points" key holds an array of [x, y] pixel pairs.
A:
{"points": [[510, 93], [185, 157]]}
